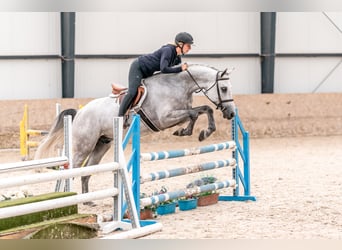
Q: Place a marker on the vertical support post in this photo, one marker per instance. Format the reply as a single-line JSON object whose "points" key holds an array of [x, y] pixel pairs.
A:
{"points": [[68, 148], [122, 178], [58, 109], [136, 162], [117, 139], [246, 163], [27, 135], [235, 137], [24, 135], [241, 176]]}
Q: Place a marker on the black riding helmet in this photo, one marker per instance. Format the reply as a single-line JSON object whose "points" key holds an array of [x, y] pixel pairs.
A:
{"points": [[184, 37]]}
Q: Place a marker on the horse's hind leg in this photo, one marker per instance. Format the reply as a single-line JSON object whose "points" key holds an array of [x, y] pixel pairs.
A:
{"points": [[102, 146], [193, 116]]}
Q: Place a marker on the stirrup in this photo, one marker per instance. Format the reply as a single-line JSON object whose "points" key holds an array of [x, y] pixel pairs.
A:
{"points": [[126, 123]]}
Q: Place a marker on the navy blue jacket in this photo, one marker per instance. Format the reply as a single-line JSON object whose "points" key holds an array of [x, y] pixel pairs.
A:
{"points": [[163, 60]]}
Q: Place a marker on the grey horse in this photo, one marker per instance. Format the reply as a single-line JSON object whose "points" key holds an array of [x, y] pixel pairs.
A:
{"points": [[168, 103]]}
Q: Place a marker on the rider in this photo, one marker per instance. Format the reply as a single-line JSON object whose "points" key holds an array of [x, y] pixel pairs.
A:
{"points": [[167, 59]]}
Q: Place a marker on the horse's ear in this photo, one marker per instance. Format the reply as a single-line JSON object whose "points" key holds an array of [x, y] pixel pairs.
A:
{"points": [[224, 72], [230, 71]]}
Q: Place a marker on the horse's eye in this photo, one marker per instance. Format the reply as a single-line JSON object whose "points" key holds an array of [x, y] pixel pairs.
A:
{"points": [[224, 89]]}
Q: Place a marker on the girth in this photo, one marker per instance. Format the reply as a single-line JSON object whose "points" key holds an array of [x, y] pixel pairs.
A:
{"points": [[119, 92]]}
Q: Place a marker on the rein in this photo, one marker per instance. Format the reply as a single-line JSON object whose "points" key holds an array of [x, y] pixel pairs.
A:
{"points": [[204, 91]]}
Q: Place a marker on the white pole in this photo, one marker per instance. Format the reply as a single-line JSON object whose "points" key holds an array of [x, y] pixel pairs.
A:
{"points": [[51, 176], [42, 163], [56, 203], [58, 108], [68, 147], [117, 178]]}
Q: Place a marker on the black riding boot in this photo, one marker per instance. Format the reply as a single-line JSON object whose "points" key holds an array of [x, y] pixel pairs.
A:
{"points": [[126, 102]]}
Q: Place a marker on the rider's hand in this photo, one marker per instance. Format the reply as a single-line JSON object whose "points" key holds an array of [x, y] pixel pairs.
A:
{"points": [[184, 66]]}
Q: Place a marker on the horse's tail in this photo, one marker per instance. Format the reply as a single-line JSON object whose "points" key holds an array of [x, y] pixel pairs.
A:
{"points": [[54, 140]]}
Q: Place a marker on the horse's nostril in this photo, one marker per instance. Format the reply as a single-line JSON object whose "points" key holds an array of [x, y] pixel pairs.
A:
{"points": [[231, 115]]}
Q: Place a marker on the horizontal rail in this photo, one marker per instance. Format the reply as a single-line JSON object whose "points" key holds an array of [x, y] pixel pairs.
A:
{"points": [[62, 174], [42, 163], [32, 143], [36, 132], [186, 170], [154, 156], [56, 203], [185, 192]]}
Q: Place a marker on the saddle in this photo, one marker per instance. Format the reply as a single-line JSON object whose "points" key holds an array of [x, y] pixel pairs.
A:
{"points": [[120, 91]]}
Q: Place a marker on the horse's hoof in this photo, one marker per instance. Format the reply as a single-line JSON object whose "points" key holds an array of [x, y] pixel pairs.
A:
{"points": [[179, 132], [202, 136], [182, 132], [90, 204]]}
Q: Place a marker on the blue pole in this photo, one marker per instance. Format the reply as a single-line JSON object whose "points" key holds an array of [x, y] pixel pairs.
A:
{"points": [[187, 170], [156, 199], [235, 137], [161, 155], [136, 161], [246, 164]]}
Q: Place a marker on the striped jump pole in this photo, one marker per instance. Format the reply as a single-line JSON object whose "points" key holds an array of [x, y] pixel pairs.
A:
{"points": [[161, 155], [186, 192], [186, 170]]}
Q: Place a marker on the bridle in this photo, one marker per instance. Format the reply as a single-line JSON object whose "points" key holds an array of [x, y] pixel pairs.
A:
{"points": [[219, 77]]}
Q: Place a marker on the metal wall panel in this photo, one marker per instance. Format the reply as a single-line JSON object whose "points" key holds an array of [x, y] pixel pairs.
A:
{"points": [[30, 79], [308, 75], [308, 33], [29, 33], [143, 32], [93, 77]]}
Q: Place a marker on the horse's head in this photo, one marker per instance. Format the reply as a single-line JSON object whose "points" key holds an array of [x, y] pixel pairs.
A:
{"points": [[224, 95], [216, 86]]}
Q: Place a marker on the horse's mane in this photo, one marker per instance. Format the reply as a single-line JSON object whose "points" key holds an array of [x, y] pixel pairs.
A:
{"points": [[203, 65], [190, 65]]}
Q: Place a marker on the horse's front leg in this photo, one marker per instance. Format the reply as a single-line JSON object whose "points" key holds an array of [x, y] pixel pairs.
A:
{"points": [[211, 121], [192, 115]]}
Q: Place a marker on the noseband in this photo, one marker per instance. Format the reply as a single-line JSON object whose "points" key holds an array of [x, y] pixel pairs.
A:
{"points": [[204, 91]]}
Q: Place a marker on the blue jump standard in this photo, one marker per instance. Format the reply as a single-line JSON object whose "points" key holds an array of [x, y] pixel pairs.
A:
{"points": [[240, 170]]}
